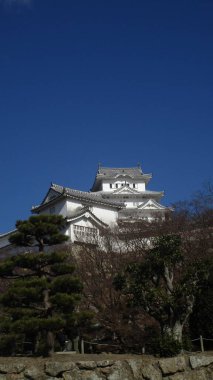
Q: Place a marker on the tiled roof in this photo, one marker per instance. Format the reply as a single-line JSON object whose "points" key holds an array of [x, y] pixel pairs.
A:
{"points": [[82, 195], [112, 173], [134, 172], [82, 211], [135, 194], [7, 233]]}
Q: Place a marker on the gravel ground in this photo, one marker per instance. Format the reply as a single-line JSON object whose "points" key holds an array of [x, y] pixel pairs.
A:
{"points": [[40, 361]]}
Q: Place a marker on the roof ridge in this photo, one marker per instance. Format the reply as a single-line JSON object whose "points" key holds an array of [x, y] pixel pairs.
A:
{"points": [[123, 167], [92, 196]]}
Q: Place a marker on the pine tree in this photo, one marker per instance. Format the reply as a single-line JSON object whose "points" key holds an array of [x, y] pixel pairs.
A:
{"points": [[41, 299], [39, 231]]}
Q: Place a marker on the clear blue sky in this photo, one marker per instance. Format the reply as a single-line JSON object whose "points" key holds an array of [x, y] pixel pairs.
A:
{"points": [[111, 81]]}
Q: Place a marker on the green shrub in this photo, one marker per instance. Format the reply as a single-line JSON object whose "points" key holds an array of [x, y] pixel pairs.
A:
{"points": [[164, 346], [10, 344]]}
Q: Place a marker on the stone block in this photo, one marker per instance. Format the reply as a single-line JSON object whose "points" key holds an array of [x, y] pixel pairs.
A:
{"points": [[136, 368], [120, 371], [33, 373], [172, 365], [190, 375], [14, 376], [72, 375], [86, 365], [56, 368], [105, 363], [91, 375], [197, 361], [151, 373], [11, 368]]}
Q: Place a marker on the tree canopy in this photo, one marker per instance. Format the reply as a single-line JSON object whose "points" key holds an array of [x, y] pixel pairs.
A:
{"points": [[41, 299], [163, 284], [39, 231]]}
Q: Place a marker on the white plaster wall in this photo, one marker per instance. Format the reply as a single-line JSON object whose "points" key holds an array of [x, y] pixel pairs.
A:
{"points": [[131, 204], [106, 186], [84, 222], [60, 208], [69, 232], [64, 207], [141, 186], [105, 215], [72, 205]]}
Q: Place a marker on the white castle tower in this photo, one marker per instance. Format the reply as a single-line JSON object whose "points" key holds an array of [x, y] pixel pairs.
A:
{"points": [[127, 186], [118, 194]]}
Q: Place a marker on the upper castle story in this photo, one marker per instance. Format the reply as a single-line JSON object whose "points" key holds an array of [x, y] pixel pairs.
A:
{"points": [[112, 179]]}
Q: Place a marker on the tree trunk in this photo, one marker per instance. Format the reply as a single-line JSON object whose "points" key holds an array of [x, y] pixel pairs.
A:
{"points": [[50, 336], [175, 331], [37, 341], [50, 342]]}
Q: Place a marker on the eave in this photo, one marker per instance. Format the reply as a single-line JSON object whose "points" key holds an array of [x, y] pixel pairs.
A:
{"points": [[80, 198], [138, 179], [138, 195], [89, 215], [36, 209]]}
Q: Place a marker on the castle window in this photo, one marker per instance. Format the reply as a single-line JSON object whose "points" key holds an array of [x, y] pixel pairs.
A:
{"points": [[110, 185], [84, 231], [133, 185], [116, 185]]}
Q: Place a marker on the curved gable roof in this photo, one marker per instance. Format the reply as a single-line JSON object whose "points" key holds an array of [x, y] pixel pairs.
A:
{"points": [[60, 192]]}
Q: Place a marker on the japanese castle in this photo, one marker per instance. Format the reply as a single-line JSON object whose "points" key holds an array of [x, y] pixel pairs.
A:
{"points": [[117, 195]]}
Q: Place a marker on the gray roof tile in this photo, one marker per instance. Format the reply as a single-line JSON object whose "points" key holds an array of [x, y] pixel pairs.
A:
{"points": [[114, 172], [84, 196]]}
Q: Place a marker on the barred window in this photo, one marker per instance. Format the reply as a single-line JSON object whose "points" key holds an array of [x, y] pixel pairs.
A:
{"points": [[82, 231]]}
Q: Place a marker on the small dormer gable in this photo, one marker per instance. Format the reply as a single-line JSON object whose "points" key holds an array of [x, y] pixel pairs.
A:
{"points": [[124, 177], [86, 215], [151, 205], [51, 194], [125, 190]]}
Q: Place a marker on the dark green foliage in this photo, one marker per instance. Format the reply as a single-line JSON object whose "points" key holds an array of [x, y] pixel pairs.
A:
{"points": [[66, 283], [164, 346], [41, 299], [11, 343], [39, 231], [201, 320], [64, 301], [62, 268], [163, 285]]}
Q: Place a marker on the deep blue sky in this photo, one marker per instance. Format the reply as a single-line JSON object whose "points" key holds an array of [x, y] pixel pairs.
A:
{"points": [[111, 81]]}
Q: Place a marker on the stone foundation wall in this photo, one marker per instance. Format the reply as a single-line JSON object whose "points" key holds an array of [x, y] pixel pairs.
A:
{"points": [[193, 367]]}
